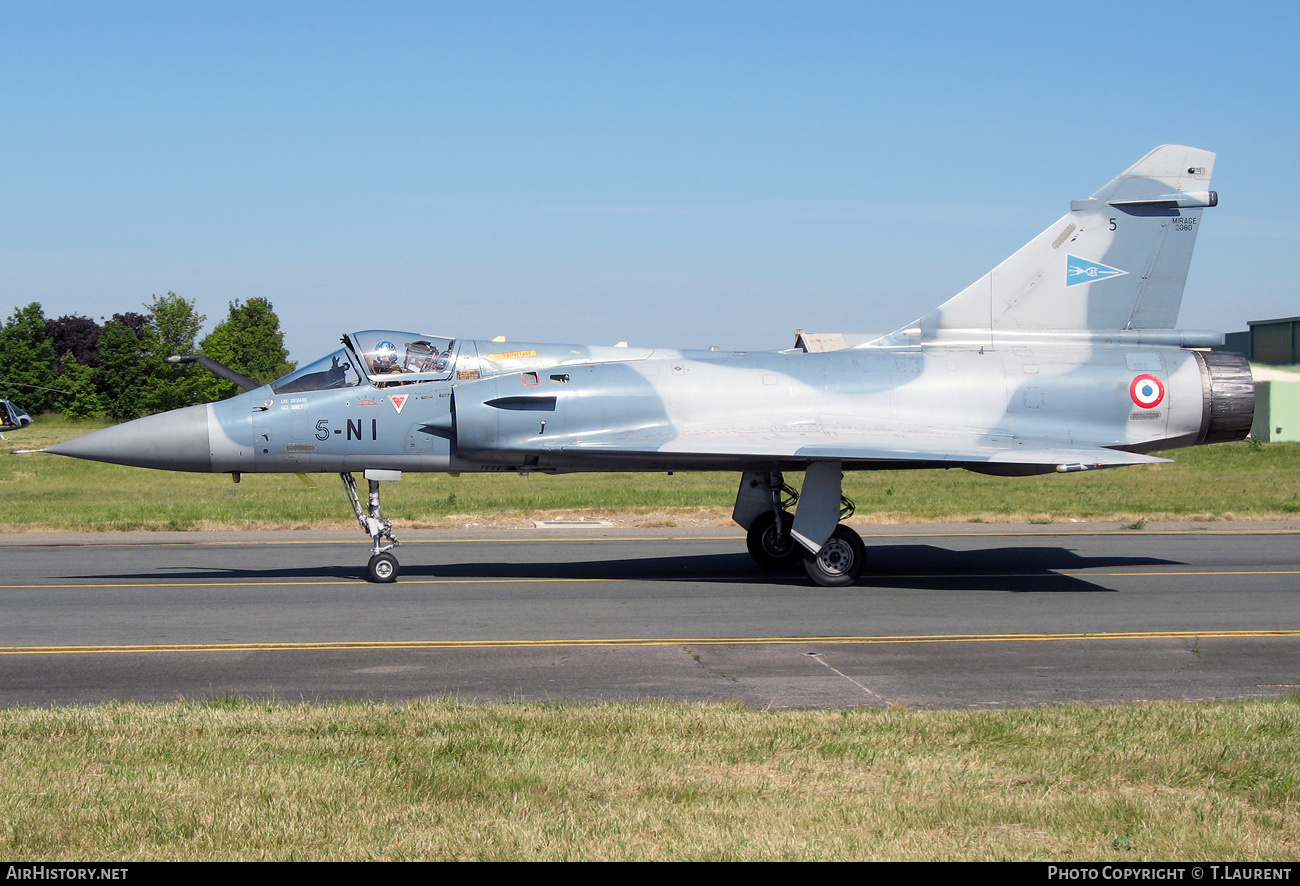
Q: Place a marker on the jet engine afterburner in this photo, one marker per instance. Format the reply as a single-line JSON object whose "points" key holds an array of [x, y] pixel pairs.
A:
{"points": [[1228, 396]]}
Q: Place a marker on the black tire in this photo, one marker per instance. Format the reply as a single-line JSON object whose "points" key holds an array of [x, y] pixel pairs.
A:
{"points": [[383, 568], [839, 562], [762, 543]]}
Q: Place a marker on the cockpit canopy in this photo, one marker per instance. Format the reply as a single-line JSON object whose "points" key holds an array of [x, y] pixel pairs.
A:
{"points": [[386, 353], [382, 356], [334, 371]]}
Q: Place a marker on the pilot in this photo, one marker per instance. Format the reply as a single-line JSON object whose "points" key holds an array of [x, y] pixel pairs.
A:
{"points": [[385, 359]]}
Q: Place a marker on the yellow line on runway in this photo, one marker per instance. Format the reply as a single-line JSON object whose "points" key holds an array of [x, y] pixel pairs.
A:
{"points": [[627, 642], [283, 584], [357, 542]]}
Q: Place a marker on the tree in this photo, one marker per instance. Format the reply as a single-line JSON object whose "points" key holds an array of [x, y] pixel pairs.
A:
{"points": [[80, 399], [77, 335], [174, 326], [132, 374], [122, 376], [176, 323], [133, 321], [250, 342], [27, 360]]}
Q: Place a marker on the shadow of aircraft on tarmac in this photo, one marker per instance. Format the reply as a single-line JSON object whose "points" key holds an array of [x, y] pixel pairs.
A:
{"points": [[1029, 569]]}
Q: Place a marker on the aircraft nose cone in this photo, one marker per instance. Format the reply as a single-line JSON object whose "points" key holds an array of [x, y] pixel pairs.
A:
{"points": [[169, 441]]}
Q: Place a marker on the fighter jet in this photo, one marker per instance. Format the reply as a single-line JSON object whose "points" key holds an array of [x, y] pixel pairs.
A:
{"points": [[1063, 358]]}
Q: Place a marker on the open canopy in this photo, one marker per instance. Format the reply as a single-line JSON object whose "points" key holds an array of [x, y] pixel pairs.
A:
{"points": [[382, 356]]}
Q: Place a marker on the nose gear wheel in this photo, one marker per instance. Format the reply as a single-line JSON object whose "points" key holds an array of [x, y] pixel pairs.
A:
{"points": [[383, 568]]}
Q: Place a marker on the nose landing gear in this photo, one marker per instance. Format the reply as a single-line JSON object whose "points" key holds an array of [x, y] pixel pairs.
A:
{"points": [[383, 566]]}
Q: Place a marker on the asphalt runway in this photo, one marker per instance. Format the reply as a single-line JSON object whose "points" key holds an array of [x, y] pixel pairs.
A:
{"points": [[946, 616]]}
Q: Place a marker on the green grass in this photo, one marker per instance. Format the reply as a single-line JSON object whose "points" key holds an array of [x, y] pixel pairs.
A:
{"points": [[1227, 481], [445, 780]]}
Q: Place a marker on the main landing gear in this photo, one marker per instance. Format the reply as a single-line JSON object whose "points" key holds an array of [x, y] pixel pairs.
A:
{"points": [[769, 540], [832, 554], [383, 566]]}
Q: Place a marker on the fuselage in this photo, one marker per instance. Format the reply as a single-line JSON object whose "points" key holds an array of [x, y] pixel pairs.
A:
{"points": [[493, 406]]}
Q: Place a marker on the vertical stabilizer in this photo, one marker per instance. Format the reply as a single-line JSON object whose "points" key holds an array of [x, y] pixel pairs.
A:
{"points": [[1117, 260]]}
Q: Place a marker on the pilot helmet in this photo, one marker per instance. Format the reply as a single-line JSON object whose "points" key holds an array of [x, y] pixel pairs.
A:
{"points": [[385, 355]]}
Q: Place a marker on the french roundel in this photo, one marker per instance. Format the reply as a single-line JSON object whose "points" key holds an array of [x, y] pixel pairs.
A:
{"points": [[1147, 391]]}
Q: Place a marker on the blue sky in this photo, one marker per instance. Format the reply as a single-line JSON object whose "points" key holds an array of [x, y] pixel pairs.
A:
{"points": [[670, 174]]}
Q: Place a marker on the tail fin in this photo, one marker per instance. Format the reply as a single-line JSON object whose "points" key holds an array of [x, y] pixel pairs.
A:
{"points": [[1117, 260]]}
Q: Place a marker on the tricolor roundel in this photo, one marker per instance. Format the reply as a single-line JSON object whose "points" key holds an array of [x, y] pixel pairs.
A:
{"points": [[1147, 391]]}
